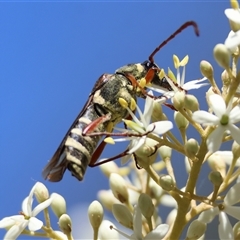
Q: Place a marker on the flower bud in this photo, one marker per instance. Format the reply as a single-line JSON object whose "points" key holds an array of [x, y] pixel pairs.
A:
{"points": [[165, 152], [65, 224], [171, 217], [58, 204], [191, 147], [41, 192], [178, 100], [95, 214], [157, 112], [217, 163], [225, 78], [107, 199], [146, 205], [222, 55], [118, 187], [234, 4], [236, 149], [191, 103], [206, 69], [236, 230], [181, 121], [196, 229], [166, 182], [234, 25], [216, 178], [105, 233], [155, 190], [146, 154], [108, 168], [123, 215]]}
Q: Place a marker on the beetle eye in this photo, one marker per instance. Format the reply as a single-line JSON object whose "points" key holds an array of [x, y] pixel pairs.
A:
{"points": [[147, 64]]}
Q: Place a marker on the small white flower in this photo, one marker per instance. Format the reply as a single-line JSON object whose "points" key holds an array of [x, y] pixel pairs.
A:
{"points": [[225, 230], [158, 233], [194, 84], [224, 120], [143, 126], [18, 223], [180, 79]]}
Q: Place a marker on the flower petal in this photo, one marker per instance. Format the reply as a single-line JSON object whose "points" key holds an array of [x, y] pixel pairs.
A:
{"points": [[233, 195], [137, 222], [215, 139], [158, 233], [139, 143], [234, 115], [189, 86], [217, 104], [25, 207], [125, 159], [15, 231], [10, 221], [41, 206], [227, 157], [235, 132], [225, 230], [34, 224], [233, 211], [205, 117], [183, 76], [233, 14], [233, 41], [208, 215], [148, 108], [160, 127]]}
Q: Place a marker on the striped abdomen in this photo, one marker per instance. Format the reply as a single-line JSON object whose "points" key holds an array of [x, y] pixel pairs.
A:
{"points": [[75, 151], [79, 149]]}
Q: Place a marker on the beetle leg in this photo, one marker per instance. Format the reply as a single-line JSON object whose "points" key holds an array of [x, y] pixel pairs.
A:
{"points": [[94, 124], [93, 160]]}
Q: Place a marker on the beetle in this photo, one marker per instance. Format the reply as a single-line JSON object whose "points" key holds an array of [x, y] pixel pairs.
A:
{"points": [[101, 112]]}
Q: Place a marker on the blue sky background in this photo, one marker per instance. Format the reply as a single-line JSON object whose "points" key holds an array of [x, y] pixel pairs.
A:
{"points": [[51, 54]]}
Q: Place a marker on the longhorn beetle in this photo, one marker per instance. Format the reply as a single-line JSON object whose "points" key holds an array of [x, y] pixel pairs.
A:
{"points": [[101, 112]]}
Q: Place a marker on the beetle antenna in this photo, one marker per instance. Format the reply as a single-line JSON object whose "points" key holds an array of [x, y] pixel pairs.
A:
{"points": [[185, 25]]}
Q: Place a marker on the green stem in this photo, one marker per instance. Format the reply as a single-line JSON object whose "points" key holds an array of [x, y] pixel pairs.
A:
{"points": [[184, 203]]}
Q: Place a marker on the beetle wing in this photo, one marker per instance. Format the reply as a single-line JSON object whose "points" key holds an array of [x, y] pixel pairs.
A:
{"points": [[56, 167]]}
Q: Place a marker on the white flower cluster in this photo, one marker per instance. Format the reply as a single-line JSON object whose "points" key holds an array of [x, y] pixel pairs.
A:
{"points": [[17, 224], [142, 185]]}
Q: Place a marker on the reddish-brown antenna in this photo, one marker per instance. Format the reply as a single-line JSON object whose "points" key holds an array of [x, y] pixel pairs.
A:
{"points": [[185, 25]]}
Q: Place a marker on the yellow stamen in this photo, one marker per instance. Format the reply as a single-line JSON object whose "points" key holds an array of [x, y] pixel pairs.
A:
{"points": [[128, 122], [171, 75], [123, 102], [109, 140], [133, 104], [184, 61], [176, 61], [132, 125], [161, 74]]}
